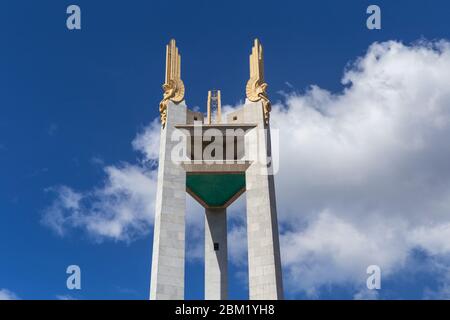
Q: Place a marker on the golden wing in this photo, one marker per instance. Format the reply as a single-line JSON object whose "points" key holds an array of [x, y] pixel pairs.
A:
{"points": [[252, 89], [173, 72], [179, 91]]}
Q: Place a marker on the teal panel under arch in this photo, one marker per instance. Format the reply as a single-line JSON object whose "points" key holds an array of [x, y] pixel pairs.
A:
{"points": [[215, 190]]}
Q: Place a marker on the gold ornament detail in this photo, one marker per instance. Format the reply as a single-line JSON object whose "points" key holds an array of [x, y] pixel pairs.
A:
{"points": [[256, 89], [173, 87]]}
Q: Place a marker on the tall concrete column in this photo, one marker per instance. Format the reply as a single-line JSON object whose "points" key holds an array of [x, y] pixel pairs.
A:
{"points": [[167, 278], [216, 254], [264, 263]]}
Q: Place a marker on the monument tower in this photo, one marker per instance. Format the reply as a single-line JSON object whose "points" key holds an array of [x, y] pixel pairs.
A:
{"points": [[215, 160]]}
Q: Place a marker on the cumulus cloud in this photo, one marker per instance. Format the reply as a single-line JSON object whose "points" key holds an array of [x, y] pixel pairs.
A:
{"points": [[371, 167], [121, 208], [65, 297], [237, 250], [442, 291], [5, 294], [147, 141], [366, 294]]}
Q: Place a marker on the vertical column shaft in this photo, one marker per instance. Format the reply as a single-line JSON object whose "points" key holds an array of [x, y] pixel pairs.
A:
{"points": [[264, 263], [167, 278], [208, 108], [216, 254]]}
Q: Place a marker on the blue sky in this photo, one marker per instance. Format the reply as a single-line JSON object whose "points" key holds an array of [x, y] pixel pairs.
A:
{"points": [[73, 101]]}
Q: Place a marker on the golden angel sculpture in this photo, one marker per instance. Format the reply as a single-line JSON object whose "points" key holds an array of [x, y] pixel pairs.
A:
{"points": [[173, 87], [256, 87]]}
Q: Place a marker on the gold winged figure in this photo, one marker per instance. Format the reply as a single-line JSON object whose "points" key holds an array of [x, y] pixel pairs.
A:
{"points": [[173, 87], [256, 87]]}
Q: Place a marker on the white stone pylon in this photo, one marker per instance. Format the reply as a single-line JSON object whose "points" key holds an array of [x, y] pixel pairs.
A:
{"points": [[216, 261], [167, 276], [264, 263]]}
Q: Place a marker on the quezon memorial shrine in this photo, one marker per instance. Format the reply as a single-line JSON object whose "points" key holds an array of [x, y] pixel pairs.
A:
{"points": [[215, 160]]}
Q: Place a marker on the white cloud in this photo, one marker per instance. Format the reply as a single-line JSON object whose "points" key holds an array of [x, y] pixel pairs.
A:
{"points": [[237, 250], [147, 141], [64, 210], [65, 297], [366, 294], [122, 208], [432, 238], [371, 167], [330, 250], [5, 294]]}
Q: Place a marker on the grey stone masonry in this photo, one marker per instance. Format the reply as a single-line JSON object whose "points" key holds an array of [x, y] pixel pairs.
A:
{"points": [[167, 276], [216, 254], [265, 280]]}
